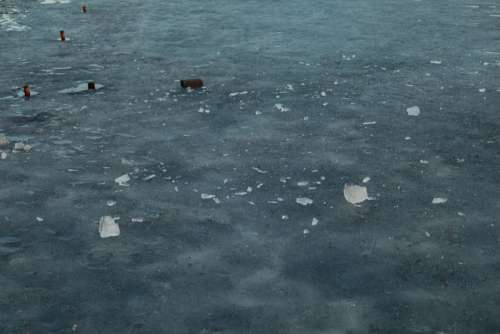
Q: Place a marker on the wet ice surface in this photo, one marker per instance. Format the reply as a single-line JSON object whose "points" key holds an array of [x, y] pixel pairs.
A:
{"points": [[244, 227]]}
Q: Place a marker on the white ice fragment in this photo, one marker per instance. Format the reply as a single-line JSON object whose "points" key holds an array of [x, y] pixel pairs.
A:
{"points": [[323, 93], [207, 196], [137, 220], [249, 189], [216, 200], [108, 227], [3, 155], [110, 203], [306, 231], [461, 214], [238, 93], [407, 138], [355, 194], [366, 179], [204, 110], [289, 87], [302, 183], [258, 170], [149, 177], [315, 222], [424, 162], [427, 234], [39, 219], [284, 217], [482, 90], [123, 180], [281, 108], [413, 111], [241, 193], [369, 123], [304, 201], [437, 62], [439, 200]]}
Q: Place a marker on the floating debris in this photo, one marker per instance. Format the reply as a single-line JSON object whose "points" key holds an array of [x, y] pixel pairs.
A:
{"points": [[413, 111], [314, 222], [304, 201], [123, 180], [82, 87], [207, 196], [258, 170], [108, 228]]}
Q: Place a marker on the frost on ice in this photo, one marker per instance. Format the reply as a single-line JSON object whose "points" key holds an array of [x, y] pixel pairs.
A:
{"points": [[108, 228], [355, 194]]}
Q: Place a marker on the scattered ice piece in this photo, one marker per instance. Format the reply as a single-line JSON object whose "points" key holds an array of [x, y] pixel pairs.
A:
{"points": [[413, 111], [439, 200], [289, 87], [284, 217], [108, 227], [482, 90], [281, 108], [258, 112], [259, 185], [176, 189], [407, 138], [22, 147], [204, 110], [241, 193], [306, 231], [238, 93], [366, 179], [110, 203], [306, 118], [369, 123], [424, 162], [355, 194], [149, 177], [39, 219], [280, 199], [138, 220], [3, 155], [216, 200], [314, 222], [207, 196], [427, 234], [302, 183], [123, 180], [304, 201], [258, 170], [437, 62], [461, 214], [323, 93], [249, 189]]}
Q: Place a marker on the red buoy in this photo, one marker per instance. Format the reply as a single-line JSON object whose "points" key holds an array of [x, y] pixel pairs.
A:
{"points": [[27, 91], [63, 37]]}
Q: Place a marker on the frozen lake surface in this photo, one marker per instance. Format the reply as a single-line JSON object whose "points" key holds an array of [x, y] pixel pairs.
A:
{"points": [[339, 172]]}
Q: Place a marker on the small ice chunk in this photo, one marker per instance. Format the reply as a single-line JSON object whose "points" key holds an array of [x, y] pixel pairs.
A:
{"points": [[437, 62], [258, 170], [123, 180], [369, 123], [3, 155], [427, 234], [284, 217], [39, 219], [315, 222], [111, 203], [281, 108], [413, 111], [366, 179], [439, 200], [424, 162], [138, 220], [216, 200], [306, 231], [482, 90], [207, 196], [304, 201], [355, 194], [149, 177], [238, 93], [302, 183], [22, 147], [323, 93], [108, 227], [289, 87]]}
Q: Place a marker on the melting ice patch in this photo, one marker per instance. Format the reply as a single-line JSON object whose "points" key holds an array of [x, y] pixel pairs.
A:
{"points": [[108, 228]]}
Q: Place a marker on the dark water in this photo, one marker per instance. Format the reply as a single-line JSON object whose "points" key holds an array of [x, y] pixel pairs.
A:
{"points": [[212, 237]]}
